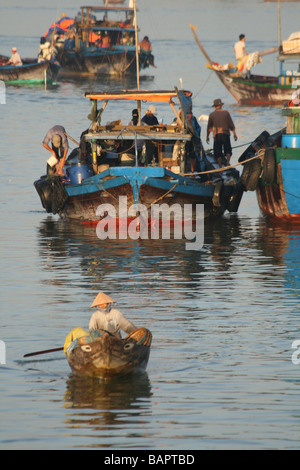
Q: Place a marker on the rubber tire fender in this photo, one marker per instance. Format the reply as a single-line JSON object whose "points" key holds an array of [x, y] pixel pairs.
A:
{"points": [[269, 166], [235, 198], [44, 190], [245, 173], [218, 193], [254, 174]]}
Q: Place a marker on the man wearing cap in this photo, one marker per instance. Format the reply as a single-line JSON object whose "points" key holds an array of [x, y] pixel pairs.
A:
{"points": [[150, 119], [108, 318], [15, 58], [220, 124], [59, 150]]}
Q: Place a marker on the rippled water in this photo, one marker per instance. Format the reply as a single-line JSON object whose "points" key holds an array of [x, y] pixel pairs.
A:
{"points": [[223, 319]]}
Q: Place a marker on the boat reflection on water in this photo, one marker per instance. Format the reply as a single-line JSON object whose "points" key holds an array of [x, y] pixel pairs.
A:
{"points": [[121, 402]]}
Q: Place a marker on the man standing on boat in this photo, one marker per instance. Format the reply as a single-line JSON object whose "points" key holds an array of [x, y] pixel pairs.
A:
{"points": [[240, 52], [220, 124], [146, 48], [59, 150], [239, 47]]}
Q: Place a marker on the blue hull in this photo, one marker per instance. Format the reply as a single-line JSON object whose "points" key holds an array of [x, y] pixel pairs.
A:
{"points": [[96, 61], [280, 199], [290, 171], [127, 188]]}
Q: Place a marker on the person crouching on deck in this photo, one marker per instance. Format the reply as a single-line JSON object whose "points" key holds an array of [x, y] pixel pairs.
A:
{"points": [[109, 318], [59, 150]]}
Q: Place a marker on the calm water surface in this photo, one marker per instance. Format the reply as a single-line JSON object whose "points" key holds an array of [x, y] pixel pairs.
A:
{"points": [[223, 319]]}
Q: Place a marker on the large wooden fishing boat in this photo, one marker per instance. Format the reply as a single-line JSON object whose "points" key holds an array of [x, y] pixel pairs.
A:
{"points": [[112, 168], [103, 40], [31, 72], [275, 173], [101, 354], [259, 90]]}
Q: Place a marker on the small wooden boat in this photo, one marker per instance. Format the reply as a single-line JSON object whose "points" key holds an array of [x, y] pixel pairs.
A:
{"points": [[108, 168], [31, 72], [104, 355], [258, 90], [275, 174]]}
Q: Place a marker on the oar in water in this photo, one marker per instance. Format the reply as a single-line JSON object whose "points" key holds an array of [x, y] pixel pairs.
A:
{"points": [[43, 352]]}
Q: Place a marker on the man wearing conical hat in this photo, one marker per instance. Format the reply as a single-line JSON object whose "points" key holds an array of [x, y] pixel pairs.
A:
{"points": [[109, 318]]}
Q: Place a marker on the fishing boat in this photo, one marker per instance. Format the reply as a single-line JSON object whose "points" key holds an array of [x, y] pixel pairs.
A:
{"points": [[109, 169], [102, 40], [31, 72], [275, 169], [101, 354], [259, 90]]}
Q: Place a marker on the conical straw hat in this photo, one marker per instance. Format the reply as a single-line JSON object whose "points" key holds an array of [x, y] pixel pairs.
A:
{"points": [[102, 299]]}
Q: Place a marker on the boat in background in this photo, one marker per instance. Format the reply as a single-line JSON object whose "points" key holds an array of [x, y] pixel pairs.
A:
{"points": [[101, 40], [259, 90], [113, 2], [109, 166], [31, 72], [274, 171]]}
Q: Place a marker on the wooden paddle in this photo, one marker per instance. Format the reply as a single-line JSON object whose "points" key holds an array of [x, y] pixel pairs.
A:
{"points": [[43, 352]]}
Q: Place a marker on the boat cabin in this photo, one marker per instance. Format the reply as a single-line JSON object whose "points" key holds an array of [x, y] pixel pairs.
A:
{"points": [[126, 144], [105, 27]]}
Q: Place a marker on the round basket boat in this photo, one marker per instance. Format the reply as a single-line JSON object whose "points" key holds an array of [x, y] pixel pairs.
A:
{"points": [[104, 355]]}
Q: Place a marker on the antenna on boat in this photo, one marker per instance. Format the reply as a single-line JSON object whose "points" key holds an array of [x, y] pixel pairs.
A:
{"points": [[279, 24], [136, 47], [137, 58]]}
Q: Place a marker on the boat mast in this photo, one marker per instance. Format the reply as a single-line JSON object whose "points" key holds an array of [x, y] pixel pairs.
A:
{"points": [[279, 24], [136, 47], [279, 37], [137, 63]]}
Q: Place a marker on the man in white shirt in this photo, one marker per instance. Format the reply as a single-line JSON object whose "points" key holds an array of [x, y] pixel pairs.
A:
{"points": [[108, 318], [15, 58], [57, 136], [239, 47]]}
